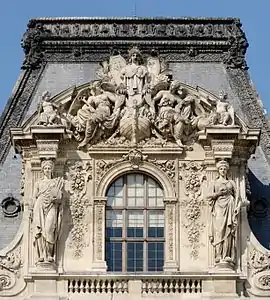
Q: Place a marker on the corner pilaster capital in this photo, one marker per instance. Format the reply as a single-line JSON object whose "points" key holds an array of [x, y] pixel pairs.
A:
{"points": [[170, 200], [100, 200]]}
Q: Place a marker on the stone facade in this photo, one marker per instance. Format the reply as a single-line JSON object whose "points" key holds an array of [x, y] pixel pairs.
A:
{"points": [[165, 101]]}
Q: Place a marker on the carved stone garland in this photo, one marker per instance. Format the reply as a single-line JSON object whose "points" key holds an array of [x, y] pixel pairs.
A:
{"points": [[192, 174], [79, 173]]}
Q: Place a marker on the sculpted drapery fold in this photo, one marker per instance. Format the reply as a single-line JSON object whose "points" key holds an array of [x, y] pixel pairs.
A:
{"points": [[47, 213], [225, 207]]}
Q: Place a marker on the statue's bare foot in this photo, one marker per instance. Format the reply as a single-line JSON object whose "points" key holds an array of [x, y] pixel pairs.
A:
{"points": [[41, 259], [228, 259], [50, 259], [217, 260]]}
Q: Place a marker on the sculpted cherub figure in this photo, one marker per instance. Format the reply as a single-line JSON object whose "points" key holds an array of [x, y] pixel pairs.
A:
{"points": [[224, 110], [48, 114]]}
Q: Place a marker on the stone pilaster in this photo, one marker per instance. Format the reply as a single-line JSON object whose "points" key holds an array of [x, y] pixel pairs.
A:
{"points": [[99, 263], [170, 263]]}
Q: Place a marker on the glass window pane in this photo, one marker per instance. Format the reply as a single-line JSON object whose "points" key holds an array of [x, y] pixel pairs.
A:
{"points": [[118, 191], [155, 224], [114, 224], [119, 182], [113, 254], [139, 201], [159, 192], [135, 224], [115, 193], [134, 257], [152, 192], [131, 192], [139, 192], [155, 256], [159, 201], [151, 183]]}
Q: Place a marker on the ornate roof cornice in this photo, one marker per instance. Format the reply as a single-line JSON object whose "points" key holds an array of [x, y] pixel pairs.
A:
{"points": [[46, 36]]}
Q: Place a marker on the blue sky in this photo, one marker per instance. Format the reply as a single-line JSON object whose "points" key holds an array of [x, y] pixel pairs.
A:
{"points": [[255, 17]]}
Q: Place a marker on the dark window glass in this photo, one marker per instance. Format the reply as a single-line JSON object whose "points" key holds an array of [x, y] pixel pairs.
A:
{"points": [[155, 256], [135, 225]]}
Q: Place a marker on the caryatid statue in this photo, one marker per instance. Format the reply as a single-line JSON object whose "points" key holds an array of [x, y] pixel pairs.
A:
{"points": [[47, 213], [225, 207]]}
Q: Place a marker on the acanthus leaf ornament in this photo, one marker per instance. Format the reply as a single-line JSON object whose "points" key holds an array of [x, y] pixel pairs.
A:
{"points": [[235, 57], [10, 266], [79, 173], [12, 261], [193, 175]]}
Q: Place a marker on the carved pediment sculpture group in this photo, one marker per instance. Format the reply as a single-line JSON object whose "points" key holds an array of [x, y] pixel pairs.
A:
{"points": [[134, 101]]}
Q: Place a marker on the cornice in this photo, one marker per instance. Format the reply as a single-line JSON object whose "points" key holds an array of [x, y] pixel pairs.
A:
{"points": [[52, 35], [121, 19]]}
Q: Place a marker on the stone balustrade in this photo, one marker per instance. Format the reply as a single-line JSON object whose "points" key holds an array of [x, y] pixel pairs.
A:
{"points": [[160, 284]]}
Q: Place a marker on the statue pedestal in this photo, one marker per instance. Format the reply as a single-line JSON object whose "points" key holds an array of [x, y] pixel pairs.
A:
{"points": [[223, 267]]}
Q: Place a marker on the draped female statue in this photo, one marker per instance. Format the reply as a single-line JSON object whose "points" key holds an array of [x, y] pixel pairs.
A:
{"points": [[47, 213], [225, 208]]}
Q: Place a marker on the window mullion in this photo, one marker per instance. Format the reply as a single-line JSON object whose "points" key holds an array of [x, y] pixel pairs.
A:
{"points": [[125, 223], [145, 256]]}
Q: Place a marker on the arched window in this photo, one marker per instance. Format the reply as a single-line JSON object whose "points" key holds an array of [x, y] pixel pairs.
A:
{"points": [[135, 225]]}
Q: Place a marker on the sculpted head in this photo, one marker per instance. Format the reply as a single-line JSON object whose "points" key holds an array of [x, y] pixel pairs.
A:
{"points": [[135, 56], [46, 96], [175, 85], [223, 167], [47, 167]]}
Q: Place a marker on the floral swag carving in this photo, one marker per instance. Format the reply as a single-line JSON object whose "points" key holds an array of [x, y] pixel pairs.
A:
{"points": [[193, 175], [79, 173]]}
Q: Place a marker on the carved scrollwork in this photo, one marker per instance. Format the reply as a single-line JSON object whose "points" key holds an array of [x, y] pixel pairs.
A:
{"points": [[264, 282], [10, 265], [135, 157], [79, 173], [258, 261], [12, 261], [5, 282], [193, 174], [167, 166], [102, 167]]}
